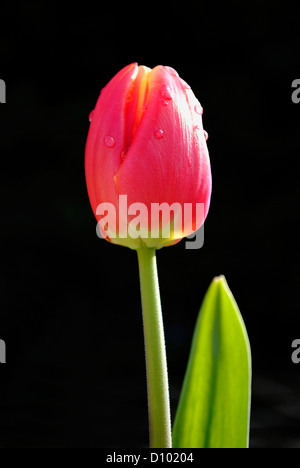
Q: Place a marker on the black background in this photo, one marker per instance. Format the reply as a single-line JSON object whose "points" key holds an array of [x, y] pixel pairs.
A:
{"points": [[70, 307]]}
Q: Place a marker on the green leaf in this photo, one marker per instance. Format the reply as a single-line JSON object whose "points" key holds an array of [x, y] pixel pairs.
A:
{"points": [[214, 406]]}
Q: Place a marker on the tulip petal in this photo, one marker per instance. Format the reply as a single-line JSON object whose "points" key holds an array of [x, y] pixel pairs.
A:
{"points": [[168, 159], [106, 138]]}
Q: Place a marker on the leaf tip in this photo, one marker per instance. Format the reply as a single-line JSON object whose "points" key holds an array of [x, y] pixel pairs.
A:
{"points": [[219, 279]]}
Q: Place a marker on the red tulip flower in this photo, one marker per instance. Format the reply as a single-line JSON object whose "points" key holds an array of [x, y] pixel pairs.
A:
{"points": [[146, 142]]}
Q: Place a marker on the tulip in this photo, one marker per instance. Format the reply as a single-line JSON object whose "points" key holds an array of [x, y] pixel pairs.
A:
{"points": [[146, 153], [146, 142]]}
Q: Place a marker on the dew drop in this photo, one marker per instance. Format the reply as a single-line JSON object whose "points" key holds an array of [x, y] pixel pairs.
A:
{"points": [[198, 109], [166, 94], [159, 134], [91, 115], [124, 153], [196, 128], [109, 141], [205, 135]]}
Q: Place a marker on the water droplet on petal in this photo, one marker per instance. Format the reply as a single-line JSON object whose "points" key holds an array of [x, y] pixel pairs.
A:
{"points": [[159, 134], [124, 153], [205, 135], [91, 115], [172, 71], [198, 109], [109, 141], [166, 94], [196, 128]]}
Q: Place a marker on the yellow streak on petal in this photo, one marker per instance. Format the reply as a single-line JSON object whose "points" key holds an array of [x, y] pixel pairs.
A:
{"points": [[143, 75]]}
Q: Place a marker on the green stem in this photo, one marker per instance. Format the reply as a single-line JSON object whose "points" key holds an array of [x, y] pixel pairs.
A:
{"points": [[156, 362]]}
